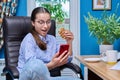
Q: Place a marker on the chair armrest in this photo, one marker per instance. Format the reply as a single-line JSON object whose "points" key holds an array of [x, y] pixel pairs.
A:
{"points": [[12, 71], [74, 68]]}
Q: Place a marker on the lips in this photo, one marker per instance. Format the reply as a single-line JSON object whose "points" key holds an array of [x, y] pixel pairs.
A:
{"points": [[44, 32]]}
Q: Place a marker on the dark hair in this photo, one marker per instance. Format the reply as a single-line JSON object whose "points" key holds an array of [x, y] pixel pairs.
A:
{"points": [[38, 10], [39, 42]]}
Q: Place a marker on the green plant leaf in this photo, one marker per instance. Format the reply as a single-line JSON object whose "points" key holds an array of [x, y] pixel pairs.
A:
{"points": [[106, 29]]}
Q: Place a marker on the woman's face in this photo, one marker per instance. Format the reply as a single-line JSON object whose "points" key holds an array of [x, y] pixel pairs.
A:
{"points": [[42, 23]]}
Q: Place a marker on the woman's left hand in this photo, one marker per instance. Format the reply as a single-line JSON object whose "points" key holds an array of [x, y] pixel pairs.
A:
{"points": [[68, 36]]}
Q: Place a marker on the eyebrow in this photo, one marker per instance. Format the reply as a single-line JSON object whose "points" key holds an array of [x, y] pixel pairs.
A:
{"points": [[43, 20]]}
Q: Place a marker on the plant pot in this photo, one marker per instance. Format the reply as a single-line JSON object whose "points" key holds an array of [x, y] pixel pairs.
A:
{"points": [[104, 48]]}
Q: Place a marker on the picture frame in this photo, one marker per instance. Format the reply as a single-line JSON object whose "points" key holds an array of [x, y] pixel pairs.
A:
{"points": [[101, 4]]}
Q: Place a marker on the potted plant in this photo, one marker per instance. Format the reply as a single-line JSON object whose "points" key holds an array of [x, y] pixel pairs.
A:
{"points": [[106, 29]]}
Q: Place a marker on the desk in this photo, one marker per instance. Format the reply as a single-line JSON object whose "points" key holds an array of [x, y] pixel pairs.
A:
{"points": [[100, 68]]}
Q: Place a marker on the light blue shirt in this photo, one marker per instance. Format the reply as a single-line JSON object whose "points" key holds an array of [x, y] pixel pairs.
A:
{"points": [[30, 50]]}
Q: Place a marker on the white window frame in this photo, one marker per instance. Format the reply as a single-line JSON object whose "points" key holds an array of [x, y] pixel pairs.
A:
{"points": [[74, 23], [75, 27]]}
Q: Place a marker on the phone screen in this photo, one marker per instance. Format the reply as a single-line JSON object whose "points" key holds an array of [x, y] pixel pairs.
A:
{"points": [[63, 47]]}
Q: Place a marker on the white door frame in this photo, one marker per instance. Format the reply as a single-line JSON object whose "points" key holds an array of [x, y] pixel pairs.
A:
{"points": [[75, 27]]}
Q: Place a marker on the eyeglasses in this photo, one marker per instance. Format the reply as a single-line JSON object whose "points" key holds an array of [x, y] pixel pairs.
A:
{"points": [[42, 23]]}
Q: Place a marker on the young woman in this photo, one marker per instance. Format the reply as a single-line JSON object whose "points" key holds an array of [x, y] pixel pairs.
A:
{"points": [[39, 51]]}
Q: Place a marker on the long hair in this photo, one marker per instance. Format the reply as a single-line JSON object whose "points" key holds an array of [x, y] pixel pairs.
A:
{"points": [[39, 42]]}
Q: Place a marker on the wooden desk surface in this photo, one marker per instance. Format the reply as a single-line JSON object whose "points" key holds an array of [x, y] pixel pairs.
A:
{"points": [[100, 68]]}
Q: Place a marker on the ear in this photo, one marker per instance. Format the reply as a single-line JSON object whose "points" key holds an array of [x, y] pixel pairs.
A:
{"points": [[33, 24]]}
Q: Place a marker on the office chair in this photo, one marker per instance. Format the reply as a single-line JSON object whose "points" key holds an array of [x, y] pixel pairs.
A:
{"points": [[14, 30]]}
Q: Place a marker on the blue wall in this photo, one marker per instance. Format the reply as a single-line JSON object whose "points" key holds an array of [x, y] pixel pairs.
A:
{"points": [[21, 11], [89, 44], [22, 8], [2, 53]]}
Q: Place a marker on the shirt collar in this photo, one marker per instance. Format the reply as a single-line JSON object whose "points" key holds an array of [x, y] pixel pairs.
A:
{"points": [[44, 39]]}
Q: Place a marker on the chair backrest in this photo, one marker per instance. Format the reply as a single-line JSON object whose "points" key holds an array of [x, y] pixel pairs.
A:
{"points": [[14, 30]]}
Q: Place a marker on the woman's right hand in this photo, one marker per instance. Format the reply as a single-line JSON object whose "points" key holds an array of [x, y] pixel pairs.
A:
{"points": [[58, 60]]}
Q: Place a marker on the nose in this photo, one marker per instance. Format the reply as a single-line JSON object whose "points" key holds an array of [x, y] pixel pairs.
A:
{"points": [[45, 25]]}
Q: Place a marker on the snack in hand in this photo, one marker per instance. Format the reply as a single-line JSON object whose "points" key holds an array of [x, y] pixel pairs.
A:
{"points": [[61, 32]]}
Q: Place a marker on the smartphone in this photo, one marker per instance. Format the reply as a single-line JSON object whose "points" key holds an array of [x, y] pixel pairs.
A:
{"points": [[63, 47]]}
